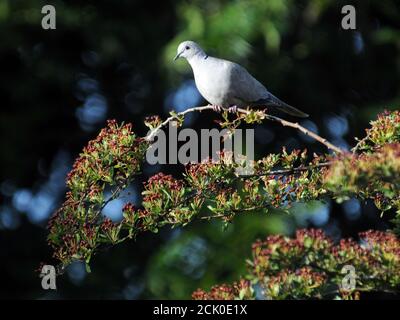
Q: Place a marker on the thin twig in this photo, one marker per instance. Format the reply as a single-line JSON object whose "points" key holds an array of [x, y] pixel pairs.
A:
{"points": [[212, 217], [360, 289], [359, 143], [283, 122], [307, 132], [154, 132], [287, 171]]}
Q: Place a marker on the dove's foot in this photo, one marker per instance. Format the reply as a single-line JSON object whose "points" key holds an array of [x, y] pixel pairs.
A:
{"points": [[233, 109], [217, 108]]}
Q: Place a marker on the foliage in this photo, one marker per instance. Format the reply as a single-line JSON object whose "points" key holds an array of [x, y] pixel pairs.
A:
{"points": [[375, 173], [110, 161], [370, 175], [215, 190], [384, 130], [240, 290], [310, 266]]}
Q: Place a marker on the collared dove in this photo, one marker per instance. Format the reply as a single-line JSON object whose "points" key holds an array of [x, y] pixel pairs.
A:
{"points": [[225, 84]]}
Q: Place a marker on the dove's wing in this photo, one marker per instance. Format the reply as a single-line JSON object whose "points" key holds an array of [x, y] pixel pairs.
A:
{"points": [[248, 90], [244, 86]]}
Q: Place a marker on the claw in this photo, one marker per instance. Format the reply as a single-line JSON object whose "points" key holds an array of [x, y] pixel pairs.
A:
{"points": [[232, 109], [217, 108]]}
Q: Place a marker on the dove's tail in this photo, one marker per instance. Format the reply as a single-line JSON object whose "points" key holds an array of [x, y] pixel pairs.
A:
{"points": [[274, 102]]}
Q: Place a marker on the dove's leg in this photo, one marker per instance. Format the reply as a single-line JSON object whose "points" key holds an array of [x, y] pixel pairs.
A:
{"points": [[233, 109]]}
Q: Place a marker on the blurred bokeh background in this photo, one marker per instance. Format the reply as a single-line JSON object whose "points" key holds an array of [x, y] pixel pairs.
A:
{"points": [[113, 59]]}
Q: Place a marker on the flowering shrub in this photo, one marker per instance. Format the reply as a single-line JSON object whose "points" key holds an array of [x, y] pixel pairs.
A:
{"points": [[369, 175], [304, 267], [241, 290], [384, 130], [310, 265], [110, 161]]}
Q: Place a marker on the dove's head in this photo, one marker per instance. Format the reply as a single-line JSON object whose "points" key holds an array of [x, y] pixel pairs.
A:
{"points": [[188, 50]]}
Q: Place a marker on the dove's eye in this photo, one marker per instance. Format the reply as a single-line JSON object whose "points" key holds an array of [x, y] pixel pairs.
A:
{"points": [[187, 48]]}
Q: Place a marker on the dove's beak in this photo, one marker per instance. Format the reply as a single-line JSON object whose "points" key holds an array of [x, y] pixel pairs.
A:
{"points": [[177, 56]]}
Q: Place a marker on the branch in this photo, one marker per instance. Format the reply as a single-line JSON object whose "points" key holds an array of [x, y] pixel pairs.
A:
{"points": [[288, 171], [307, 132], [153, 133], [359, 143], [283, 122]]}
